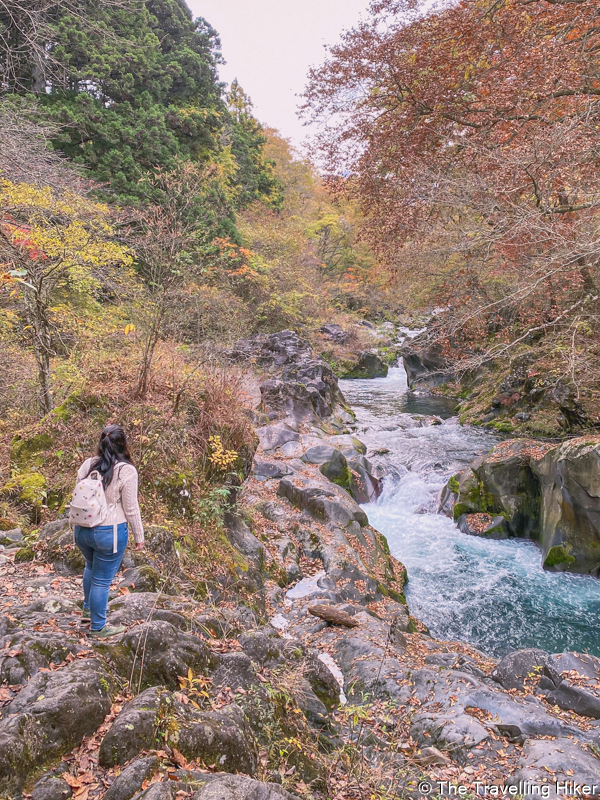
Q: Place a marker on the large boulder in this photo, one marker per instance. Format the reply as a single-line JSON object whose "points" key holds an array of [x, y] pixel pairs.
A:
{"points": [[551, 494], [238, 787], [369, 365], [520, 668], [221, 738], [50, 716], [426, 364], [576, 683], [500, 483], [23, 653], [136, 726], [131, 780], [157, 653], [326, 502], [556, 762], [569, 476], [273, 436], [303, 387]]}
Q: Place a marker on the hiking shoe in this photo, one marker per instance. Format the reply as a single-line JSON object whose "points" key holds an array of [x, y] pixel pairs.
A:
{"points": [[85, 617], [108, 631]]}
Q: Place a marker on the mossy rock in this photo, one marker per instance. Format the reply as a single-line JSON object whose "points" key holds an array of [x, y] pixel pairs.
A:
{"points": [[75, 560], [79, 401], [7, 524], [26, 452], [558, 555], [28, 489], [453, 484], [24, 554], [460, 509]]}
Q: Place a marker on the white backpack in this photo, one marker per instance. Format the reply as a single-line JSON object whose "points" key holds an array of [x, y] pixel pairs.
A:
{"points": [[89, 507]]}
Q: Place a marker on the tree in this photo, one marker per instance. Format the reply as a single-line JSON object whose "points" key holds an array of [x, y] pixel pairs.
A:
{"points": [[170, 235], [472, 131], [137, 89], [54, 245], [255, 178]]}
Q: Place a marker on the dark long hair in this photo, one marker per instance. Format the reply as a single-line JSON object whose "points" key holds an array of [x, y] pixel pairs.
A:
{"points": [[112, 448]]}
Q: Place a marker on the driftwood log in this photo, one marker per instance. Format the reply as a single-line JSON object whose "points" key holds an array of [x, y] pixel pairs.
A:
{"points": [[333, 615]]}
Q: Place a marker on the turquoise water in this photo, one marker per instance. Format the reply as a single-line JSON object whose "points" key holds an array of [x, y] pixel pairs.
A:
{"points": [[492, 594]]}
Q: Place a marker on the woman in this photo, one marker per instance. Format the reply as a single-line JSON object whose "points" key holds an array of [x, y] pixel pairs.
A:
{"points": [[102, 555]]}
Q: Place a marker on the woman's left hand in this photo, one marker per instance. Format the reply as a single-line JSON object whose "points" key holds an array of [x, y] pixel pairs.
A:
{"points": [[140, 545]]}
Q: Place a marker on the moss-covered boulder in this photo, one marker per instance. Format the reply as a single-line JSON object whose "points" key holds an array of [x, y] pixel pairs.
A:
{"points": [[28, 490], [545, 492], [558, 558], [368, 365], [24, 554], [80, 401], [27, 451], [501, 483]]}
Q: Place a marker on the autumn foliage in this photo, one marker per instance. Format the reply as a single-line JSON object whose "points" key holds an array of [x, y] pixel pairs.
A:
{"points": [[469, 134]]}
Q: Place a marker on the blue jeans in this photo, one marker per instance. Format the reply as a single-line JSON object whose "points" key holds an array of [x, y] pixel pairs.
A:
{"points": [[101, 566]]}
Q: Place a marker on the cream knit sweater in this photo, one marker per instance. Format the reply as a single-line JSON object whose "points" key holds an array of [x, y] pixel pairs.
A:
{"points": [[122, 493]]}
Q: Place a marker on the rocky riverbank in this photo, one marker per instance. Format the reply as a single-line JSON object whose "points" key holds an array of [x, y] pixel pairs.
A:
{"points": [[531, 489], [241, 688]]}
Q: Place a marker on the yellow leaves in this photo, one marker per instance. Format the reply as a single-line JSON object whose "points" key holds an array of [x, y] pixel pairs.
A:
{"points": [[57, 235], [220, 458], [129, 329]]}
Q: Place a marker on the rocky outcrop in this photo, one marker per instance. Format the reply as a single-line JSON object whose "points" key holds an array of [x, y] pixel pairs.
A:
{"points": [[369, 364], [425, 364], [305, 388], [569, 478], [535, 490]]}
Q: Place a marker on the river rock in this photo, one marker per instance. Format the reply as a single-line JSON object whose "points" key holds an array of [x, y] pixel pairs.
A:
{"points": [[328, 503], [319, 453], [503, 483], [366, 480], [456, 732], [51, 787], [515, 668], [291, 399], [369, 365], [425, 363], [561, 760], [484, 525], [551, 494], [269, 470], [273, 436], [576, 678], [335, 469], [569, 477]]}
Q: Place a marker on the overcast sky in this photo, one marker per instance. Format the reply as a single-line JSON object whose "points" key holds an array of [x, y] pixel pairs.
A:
{"points": [[269, 46]]}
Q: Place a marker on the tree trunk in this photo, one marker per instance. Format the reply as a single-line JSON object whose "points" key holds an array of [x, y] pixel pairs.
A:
{"points": [[39, 322], [149, 348]]}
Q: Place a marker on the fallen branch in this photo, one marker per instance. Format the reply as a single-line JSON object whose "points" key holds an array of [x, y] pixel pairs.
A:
{"points": [[333, 615]]}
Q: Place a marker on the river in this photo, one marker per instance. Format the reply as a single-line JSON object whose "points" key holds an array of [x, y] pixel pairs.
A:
{"points": [[493, 594]]}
